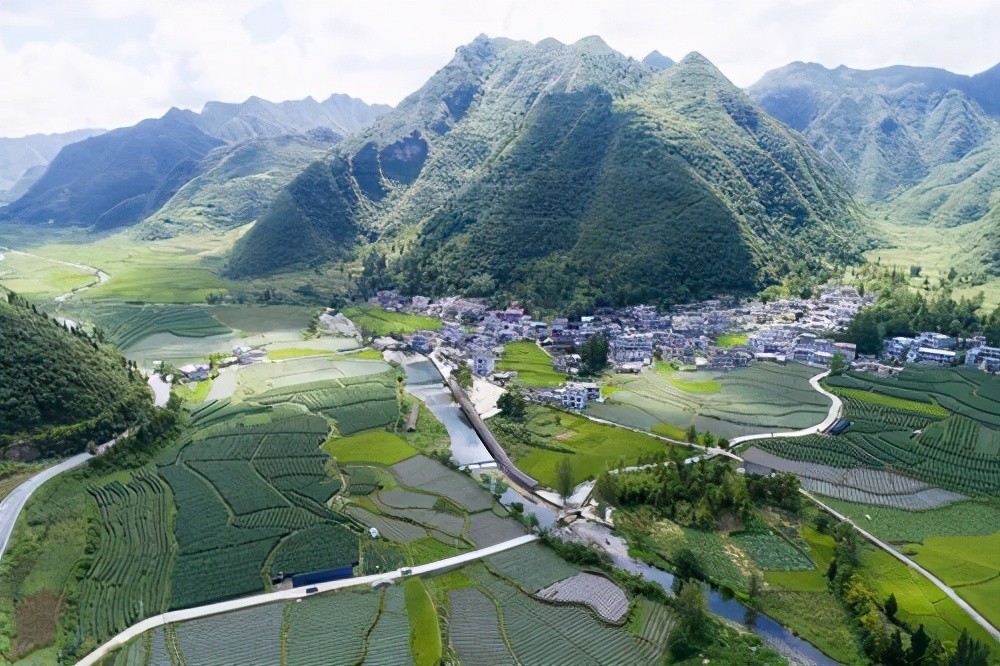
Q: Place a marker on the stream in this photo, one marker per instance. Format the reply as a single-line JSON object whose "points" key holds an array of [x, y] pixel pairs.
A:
{"points": [[425, 382]]}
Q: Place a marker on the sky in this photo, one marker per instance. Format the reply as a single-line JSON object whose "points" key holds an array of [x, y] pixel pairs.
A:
{"points": [[70, 64]]}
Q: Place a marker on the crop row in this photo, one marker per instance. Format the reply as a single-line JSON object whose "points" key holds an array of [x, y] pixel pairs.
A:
{"points": [[249, 637], [240, 486], [129, 576], [389, 642], [474, 629], [322, 546], [330, 629]]}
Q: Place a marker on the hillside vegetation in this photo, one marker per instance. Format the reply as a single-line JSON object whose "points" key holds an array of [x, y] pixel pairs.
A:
{"points": [[565, 174], [59, 390]]}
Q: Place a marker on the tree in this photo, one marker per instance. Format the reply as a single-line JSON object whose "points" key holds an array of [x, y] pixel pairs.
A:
{"points": [[970, 652], [463, 375], [864, 332], [919, 644], [891, 606], [692, 434], [512, 404], [837, 364], [564, 478], [594, 354], [723, 443], [693, 621]]}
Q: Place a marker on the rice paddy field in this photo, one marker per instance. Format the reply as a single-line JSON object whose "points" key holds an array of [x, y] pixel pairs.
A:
{"points": [[532, 364], [939, 426], [37, 278], [376, 446], [381, 322], [762, 398], [592, 448]]}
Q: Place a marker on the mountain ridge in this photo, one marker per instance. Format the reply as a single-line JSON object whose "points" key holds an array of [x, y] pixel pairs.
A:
{"points": [[435, 179]]}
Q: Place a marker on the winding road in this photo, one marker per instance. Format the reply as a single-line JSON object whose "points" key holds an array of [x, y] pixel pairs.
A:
{"points": [[294, 593], [10, 507]]}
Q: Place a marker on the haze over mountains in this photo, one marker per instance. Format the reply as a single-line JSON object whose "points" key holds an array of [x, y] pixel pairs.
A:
{"points": [[23, 160], [558, 174], [123, 176]]}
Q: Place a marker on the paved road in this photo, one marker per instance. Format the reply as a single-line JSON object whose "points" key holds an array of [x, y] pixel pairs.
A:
{"points": [[836, 407], [294, 593], [10, 507], [962, 603]]}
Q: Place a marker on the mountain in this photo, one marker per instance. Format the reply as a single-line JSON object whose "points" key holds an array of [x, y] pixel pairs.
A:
{"points": [[60, 390], [236, 183], [121, 177], [921, 143], [565, 174], [23, 160], [885, 129], [658, 61]]}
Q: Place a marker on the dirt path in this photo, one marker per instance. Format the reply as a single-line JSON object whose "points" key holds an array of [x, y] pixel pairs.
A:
{"points": [[100, 276]]}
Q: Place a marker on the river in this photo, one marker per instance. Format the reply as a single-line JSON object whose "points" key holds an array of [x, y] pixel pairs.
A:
{"points": [[425, 382]]}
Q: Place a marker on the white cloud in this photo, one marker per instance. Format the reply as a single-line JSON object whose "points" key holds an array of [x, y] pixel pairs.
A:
{"points": [[73, 63]]}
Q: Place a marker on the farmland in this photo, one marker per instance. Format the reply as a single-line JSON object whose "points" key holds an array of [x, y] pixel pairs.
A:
{"points": [[376, 446], [940, 426], [380, 322], [489, 620], [128, 323], [762, 398], [548, 435], [531, 363]]}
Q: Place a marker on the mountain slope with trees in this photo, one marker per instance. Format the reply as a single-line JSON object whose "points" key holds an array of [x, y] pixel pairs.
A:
{"points": [[123, 176], [921, 144], [565, 174], [61, 390]]}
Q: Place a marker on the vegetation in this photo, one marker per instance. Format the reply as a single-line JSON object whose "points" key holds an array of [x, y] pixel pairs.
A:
{"points": [[375, 446], [937, 425], [378, 322], [61, 389], [532, 365], [425, 635], [557, 185], [545, 436], [594, 354], [765, 397]]}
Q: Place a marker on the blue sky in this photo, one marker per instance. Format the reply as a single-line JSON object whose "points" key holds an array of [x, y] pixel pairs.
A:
{"points": [[66, 64]]}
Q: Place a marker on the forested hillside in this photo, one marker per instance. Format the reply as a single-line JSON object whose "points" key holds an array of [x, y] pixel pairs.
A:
{"points": [[920, 144], [565, 174], [61, 390]]}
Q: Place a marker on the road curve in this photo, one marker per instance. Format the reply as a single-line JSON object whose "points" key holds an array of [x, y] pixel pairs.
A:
{"points": [[288, 595], [10, 507], [836, 408], [962, 603]]}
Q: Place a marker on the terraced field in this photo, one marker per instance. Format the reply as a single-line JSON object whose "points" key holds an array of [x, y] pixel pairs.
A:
{"points": [[381, 322], [532, 365], [129, 576], [939, 426], [598, 593], [762, 398], [128, 323]]}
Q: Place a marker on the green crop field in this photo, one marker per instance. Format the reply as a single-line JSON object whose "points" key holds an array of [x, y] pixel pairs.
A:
{"points": [[730, 340], [591, 447], [769, 551], [380, 322], [979, 518], [821, 547], [376, 446], [127, 324], [941, 426], [37, 278], [532, 364], [425, 634], [920, 602], [818, 618], [764, 397]]}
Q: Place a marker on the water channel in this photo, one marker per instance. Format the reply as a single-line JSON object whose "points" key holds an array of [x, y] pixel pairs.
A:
{"points": [[425, 382]]}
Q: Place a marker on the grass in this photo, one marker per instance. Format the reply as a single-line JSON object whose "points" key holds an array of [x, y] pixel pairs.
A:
{"points": [[374, 446], [685, 381], [381, 322], [730, 340], [971, 565], [40, 278], [297, 352], [820, 619], [821, 548], [891, 402], [425, 634], [532, 364], [595, 447], [366, 355], [196, 395], [430, 435], [920, 602]]}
